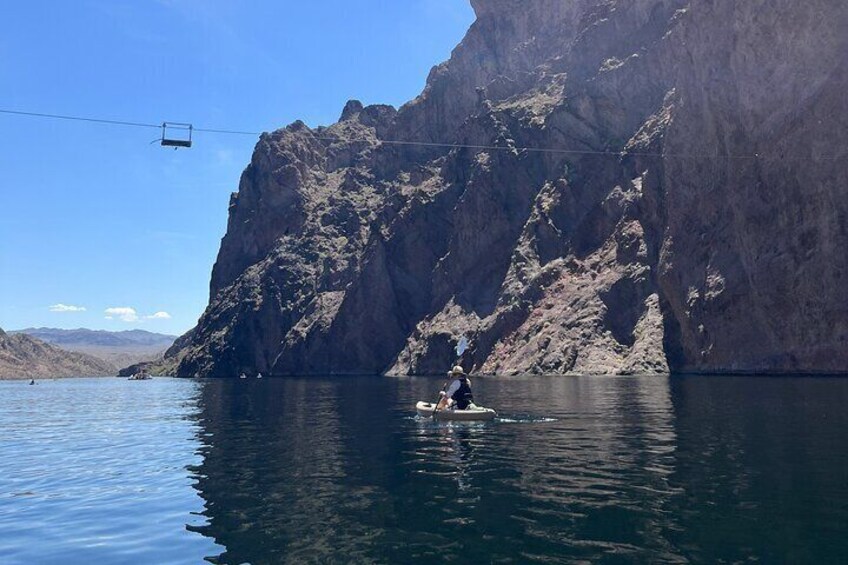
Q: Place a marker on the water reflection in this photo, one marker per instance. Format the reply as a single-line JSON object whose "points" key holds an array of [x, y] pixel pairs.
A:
{"points": [[579, 469], [764, 466], [277, 472], [593, 485], [462, 458]]}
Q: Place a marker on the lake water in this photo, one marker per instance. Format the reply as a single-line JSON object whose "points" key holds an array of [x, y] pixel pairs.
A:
{"points": [[607, 470]]}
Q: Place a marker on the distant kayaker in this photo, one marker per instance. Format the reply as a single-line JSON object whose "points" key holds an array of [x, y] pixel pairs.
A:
{"points": [[458, 391]]}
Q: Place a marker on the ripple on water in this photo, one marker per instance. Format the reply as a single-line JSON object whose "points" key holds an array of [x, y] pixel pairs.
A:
{"points": [[94, 470], [339, 469]]}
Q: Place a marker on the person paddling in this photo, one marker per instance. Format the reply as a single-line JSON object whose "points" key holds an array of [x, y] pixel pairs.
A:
{"points": [[458, 392]]}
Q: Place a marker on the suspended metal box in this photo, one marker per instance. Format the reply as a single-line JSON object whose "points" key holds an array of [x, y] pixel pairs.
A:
{"points": [[176, 135]]}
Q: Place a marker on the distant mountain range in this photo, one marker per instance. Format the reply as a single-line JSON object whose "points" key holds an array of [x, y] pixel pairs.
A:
{"points": [[24, 357], [119, 349], [86, 337]]}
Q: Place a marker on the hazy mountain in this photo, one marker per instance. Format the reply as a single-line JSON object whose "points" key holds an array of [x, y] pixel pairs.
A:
{"points": [[118, 348], [82, 336], [23, 357]]}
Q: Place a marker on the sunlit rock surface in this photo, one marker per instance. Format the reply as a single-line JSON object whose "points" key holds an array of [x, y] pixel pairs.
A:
{"points": [[646, 186]]}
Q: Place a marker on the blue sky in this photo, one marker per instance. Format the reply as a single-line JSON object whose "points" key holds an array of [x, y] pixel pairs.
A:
{"points": [[95, 217]]}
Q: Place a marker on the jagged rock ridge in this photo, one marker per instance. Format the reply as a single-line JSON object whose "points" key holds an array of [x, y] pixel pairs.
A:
{"points": [[681, 205]]}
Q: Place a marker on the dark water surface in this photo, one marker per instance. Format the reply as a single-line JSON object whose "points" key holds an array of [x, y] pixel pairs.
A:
{"points": [[607, 470]]}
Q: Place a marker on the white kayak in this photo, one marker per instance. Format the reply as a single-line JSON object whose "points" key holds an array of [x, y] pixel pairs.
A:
{"points": [[473, 414]]}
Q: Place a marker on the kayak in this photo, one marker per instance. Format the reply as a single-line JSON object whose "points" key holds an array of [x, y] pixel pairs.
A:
{"points": [[476, 414]]}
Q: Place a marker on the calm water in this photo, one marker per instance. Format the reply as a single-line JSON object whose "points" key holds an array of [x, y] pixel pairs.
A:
{"points": [[609, 470]]}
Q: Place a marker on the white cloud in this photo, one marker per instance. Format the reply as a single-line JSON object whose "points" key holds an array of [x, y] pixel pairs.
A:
{"points": [[159, 316], [124, 313], [66, 308]]}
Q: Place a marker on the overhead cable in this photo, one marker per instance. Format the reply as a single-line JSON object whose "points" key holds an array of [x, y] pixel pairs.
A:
{"points": [[552, 150]]}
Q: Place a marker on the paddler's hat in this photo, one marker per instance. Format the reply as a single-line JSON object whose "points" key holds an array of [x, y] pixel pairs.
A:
{"points": [[457, 371]]}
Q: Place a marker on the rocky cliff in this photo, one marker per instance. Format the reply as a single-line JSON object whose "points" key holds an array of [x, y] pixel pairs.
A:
{"points": [[586, 186], [25, 357]]}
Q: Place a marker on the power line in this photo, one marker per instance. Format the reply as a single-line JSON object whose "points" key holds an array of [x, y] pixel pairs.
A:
{"points": [[80, 119], [229, 131], [549, 150]]}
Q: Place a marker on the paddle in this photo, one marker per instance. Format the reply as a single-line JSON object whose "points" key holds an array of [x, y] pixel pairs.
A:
{"points": [[461, 347]]}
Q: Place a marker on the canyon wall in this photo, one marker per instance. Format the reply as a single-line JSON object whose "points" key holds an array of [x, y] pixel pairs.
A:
{"points": [[585, 186]]}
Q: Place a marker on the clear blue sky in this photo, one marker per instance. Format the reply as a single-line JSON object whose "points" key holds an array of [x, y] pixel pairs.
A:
{"points": [[94, 216]]}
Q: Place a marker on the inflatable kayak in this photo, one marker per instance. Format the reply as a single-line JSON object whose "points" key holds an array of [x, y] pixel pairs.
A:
{"points": [[476, 414]]}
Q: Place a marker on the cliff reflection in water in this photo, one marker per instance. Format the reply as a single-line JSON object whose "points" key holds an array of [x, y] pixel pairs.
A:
{"points": [[595, 484], [284, 463], [639, 469], [763, 466]]}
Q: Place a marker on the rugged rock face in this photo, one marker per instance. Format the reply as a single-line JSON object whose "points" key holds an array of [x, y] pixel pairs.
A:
{"points": [[25, 357], [588, 186]]}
